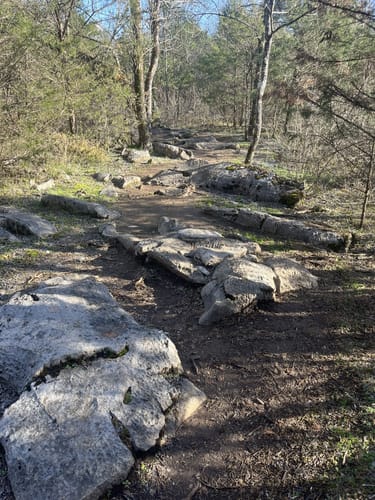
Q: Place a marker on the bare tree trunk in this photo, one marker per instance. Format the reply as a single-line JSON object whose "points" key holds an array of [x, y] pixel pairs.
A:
{"points": [[155, 55], [63, 13], [370, 172], [138, 73], [256, 118]]}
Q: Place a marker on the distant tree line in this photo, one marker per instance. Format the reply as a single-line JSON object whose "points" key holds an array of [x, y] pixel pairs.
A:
{"points": [[106, 70]]}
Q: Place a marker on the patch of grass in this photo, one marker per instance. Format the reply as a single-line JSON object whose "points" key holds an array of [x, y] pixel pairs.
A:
{"points": [[20, 256], [240, 202], [268, 244]]}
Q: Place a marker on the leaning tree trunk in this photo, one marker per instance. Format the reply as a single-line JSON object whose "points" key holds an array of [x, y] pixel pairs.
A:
{"points": [[256, 118], [155, 54], [138, 73]]}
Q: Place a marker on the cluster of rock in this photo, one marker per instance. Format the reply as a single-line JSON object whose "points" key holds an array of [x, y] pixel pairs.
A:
{"points": [[171, 151], [87, 387], [281, 227], [206, 143], [14, 223], [234, 279], [232, 179]]}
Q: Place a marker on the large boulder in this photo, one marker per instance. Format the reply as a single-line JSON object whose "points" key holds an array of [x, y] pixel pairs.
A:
{"points": [[290, 275], [236, 285], [25, 223], [136, 155], [99, 386], [257, 186]]}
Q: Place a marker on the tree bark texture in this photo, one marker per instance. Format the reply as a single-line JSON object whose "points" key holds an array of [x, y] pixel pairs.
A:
{"points": [[138, 73], [155, 55], [256, 118]]}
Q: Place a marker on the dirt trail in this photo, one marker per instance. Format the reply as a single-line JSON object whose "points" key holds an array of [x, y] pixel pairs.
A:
{"points": [[275, 378]]}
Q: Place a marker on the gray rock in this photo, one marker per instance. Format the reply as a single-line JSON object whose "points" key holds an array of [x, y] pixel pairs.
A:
{"points": [[280, 227], [167, 225], [6, 236], [237, 285], [215, 146], [195, 235], [77, 206], [24, 223], [128, 241], [291, 276], [257, 186], [67, 437], [257, 278], [196, 163], [136, 155], [212, 257], [109, 232], [174, 192], [190, 399], [171, 254], [171, 151], [143, 247], [217, 305], [250, 218], [127, 181], [102, 177], [169, 178], [192, 142], [109, 191]]}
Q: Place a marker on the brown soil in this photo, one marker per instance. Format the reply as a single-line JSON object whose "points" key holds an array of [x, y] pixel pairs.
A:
{"points": [[288, 385]]}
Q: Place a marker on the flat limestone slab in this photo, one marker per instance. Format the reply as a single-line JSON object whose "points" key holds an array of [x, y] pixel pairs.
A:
{"points": [[68, 436], [77, 206], [25, 223], [58, 321], [288, 229], [255, 185]]}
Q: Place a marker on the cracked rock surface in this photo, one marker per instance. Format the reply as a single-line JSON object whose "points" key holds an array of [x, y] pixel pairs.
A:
{"points": [[234, 279], [24, 223], [71, 434]]}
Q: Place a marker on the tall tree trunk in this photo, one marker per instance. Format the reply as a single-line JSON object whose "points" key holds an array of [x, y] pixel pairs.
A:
{"points": [[138, 73], [256, 118], [155, 55], [366, 197]]}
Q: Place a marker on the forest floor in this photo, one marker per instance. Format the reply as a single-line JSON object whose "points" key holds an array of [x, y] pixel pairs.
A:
{"points": [[289, 386]]}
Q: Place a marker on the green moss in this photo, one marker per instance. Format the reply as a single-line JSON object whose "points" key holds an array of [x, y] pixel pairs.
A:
{"points": [[291, 198]]}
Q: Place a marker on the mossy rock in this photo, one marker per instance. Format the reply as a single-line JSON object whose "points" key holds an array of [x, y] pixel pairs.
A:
{"points": [[291, 198]]}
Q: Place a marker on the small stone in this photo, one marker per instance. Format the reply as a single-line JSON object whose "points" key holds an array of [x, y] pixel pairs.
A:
{"points": [[167, 225], [102, 177], [108, 231], [126, 182], [136, 155], [109, 191], [45, 186]]}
